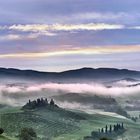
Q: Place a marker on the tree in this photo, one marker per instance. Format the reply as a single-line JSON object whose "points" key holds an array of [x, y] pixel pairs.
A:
{"points": [[38, 101], [122, 126], [110, 129], [27, 134], [114, 127], [102, 130], [29, 102], [46, 101], [119, 126], [42, 101], [33, 104], [106, 129], [52, 102]]}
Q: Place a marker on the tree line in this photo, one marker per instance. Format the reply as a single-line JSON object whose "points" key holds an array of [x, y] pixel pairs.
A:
{"points": [[108, 131], [111, 128], [40, 102]]}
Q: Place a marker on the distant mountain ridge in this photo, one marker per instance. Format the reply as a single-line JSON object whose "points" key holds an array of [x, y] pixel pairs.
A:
{"points": [[81, 74]]}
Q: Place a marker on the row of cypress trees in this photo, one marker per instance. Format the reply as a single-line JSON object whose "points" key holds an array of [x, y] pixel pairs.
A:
{"points": [[111, 128]]}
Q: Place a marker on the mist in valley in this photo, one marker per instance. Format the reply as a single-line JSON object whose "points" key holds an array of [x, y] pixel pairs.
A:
{"points": [[17, 94]]}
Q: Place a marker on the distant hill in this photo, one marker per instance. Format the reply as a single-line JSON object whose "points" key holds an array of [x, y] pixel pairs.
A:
{"points": [[78, 75], [125, 82], [134, 85], [86, 99], [126, 79], [108, 104]]}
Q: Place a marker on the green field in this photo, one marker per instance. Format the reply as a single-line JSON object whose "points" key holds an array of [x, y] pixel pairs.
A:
{"points": [[60, 124]]}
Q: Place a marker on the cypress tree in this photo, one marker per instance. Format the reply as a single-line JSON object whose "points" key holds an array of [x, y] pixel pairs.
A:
{"points": [[117, 127], [52, 102], [106, 129], [110, 129], [102, 130], [29, 101], [114, 128], [122, 126], [46, 101]]}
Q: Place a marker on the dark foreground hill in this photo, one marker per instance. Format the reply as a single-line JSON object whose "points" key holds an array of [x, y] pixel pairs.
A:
{"points": [[83, 74]]}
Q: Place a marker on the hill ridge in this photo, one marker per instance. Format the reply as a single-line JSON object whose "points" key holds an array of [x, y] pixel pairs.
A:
{"points": [[81, 74]]}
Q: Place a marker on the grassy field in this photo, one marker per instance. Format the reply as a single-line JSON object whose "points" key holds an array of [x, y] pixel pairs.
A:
{"points": [[60, 124]]}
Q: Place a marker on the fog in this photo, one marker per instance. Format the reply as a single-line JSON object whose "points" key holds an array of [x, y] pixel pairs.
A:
{"points": [[19, 94]]}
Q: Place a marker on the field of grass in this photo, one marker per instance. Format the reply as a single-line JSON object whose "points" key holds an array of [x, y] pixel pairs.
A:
{"points": [[60, 124]]}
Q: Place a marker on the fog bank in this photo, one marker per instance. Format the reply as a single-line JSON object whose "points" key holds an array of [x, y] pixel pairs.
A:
{"points": [[19, 94]]}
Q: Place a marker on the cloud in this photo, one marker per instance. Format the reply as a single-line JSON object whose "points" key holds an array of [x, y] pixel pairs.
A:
{"points": [[62, 27], [130, 18], [10, 37], [102, 16], [51, 29], [135, 27], [94, 88], [16, 37], [73, 51], [56, 11]]}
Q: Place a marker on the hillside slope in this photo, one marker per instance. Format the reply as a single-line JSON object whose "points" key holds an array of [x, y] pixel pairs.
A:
{"points": [[61, 124], [46, 122]]}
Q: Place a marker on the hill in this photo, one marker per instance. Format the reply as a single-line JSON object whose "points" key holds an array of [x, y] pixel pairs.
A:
{"points": [[86, 98], [78, 75], [61, 124], [125, 82], [105, 103], [47, 121]]}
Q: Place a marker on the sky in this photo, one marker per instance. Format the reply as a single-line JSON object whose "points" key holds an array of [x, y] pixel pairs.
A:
{"points": [[58, 35]]}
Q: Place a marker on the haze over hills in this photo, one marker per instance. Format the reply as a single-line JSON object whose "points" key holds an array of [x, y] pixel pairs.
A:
{"points": [[82, 74]]}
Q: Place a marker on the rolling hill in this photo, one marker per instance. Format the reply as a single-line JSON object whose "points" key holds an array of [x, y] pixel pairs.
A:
{"points": [[78, 75], [48, 122], [86, 99], [52, 122], [105, 103], [61, 124]]}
